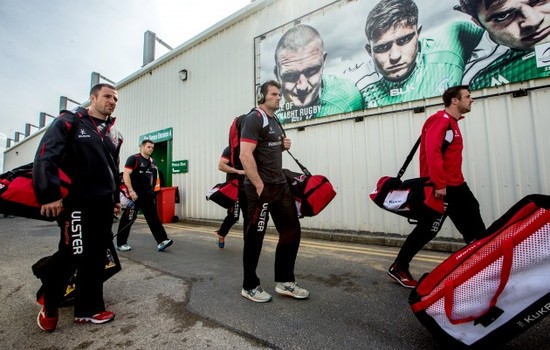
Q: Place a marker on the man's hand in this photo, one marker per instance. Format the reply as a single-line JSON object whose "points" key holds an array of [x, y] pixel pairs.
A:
{"points": [[440, 193], [133, 195], [286, 143], [52, 210], [259, 188], [117, 209]]}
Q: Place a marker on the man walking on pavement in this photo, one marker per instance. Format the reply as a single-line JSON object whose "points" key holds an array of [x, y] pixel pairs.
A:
{"points": [[444, 168], [233, 213], [140, 177], [86, 146], [261, 147]]}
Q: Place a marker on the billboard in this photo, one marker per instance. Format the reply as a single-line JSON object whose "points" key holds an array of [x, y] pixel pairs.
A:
{"points": [[355, 55]]}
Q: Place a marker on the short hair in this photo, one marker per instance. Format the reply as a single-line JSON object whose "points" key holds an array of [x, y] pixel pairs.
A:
{"points": [[297, 38], [95, 89], [388, 14], [471, 7], [146, 141], [453, 92], [263, 88]]}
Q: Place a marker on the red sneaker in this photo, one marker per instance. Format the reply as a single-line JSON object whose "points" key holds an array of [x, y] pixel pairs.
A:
{"points": [[46, 321], [402, 276], [99, 318]]}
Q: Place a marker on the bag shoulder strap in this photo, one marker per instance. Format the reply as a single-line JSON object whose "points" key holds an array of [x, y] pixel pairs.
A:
{"points": [[303, 168], [413, 151], [409, 158]]}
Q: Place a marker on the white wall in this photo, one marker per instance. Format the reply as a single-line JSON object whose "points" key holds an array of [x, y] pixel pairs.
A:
{"points": [[506, 138], [23, 152]]}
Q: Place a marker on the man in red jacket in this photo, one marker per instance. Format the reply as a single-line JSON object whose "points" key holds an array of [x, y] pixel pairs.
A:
{"points": [[444, 168]]}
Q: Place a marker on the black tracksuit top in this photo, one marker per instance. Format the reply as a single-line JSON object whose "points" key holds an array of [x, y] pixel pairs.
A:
{"points": [[86, 148]]}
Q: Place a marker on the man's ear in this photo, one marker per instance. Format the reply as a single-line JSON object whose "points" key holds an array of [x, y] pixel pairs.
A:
{"points": [[276, 72], [455, 100], [418, 30]]}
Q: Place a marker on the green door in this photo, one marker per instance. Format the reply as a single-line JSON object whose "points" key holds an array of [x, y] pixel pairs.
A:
{"points": [[162, 154]]}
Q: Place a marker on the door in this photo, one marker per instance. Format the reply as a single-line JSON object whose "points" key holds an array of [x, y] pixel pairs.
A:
{"points": [[161, 157]]}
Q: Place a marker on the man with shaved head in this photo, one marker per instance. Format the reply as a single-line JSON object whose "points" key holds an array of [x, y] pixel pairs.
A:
{"points": [[300, 59]]}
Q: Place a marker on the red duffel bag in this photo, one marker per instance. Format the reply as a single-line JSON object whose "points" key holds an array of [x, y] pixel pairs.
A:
{"points": [[17, 196], [224, 194]]}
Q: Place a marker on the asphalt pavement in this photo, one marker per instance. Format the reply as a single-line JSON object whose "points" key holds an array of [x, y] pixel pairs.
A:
{"points": [[150, 305], [188, 297]]}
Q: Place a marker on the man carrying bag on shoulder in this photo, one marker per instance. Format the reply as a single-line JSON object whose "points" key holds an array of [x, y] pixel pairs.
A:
{"points": [[445, 170]]}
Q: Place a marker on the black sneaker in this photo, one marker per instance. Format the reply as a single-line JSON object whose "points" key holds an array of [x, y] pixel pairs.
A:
{"points": [[402, 276]]}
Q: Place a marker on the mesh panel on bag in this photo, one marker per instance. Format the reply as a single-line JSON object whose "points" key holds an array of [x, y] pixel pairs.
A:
{"points": [[478, 278]]}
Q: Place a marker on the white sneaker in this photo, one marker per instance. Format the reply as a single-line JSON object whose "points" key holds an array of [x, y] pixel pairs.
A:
{"points": [[291, 289], [124, 248], [164, 244], [257, 294]]}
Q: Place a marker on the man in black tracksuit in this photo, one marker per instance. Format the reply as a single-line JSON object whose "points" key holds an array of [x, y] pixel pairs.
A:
{"points": [[140, 177], [85, 145], [233, 213], [267, 191]]}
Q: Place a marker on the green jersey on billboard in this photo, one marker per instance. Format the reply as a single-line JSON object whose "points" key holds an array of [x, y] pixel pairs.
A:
{"points": [[338, 95], [440, 64]]}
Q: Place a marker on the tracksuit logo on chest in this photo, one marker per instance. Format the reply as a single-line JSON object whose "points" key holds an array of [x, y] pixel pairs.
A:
{"points": [[83, 134]]}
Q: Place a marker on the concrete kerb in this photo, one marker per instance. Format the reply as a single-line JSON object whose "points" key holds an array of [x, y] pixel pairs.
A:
{"points": [[378, 238]]}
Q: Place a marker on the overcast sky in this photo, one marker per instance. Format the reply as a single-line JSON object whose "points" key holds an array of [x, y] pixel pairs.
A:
{"points": [[50, 48]]}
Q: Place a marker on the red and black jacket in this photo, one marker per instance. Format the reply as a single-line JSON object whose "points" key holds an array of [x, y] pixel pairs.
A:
{"points": [[86, 148], [443, 168]]}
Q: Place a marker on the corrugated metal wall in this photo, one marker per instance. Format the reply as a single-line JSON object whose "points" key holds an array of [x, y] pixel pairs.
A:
{"points": [[504, 158], [506, 138]]}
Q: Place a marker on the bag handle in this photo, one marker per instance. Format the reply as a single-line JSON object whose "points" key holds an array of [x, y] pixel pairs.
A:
{"points": [[303, 168], [507, 258]]}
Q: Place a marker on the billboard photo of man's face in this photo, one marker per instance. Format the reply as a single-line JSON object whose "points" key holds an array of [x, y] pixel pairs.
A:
{"points": [[394, 52], [300, 73], [518, 24]]}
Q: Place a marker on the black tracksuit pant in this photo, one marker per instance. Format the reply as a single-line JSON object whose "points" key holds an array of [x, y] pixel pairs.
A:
{"points": [[462, 208], [278, 202], [148, 205], [233, 213], [85, 237]]}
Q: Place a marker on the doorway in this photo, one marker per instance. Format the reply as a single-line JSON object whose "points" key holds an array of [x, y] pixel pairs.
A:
{"points": [[160, 155]]}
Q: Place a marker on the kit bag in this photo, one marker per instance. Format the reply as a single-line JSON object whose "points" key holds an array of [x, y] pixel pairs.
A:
{"points": [[46, 269], [17, 196], [495, 288], [224, 194], [406, 198], [413, 198], [312, 193]]}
